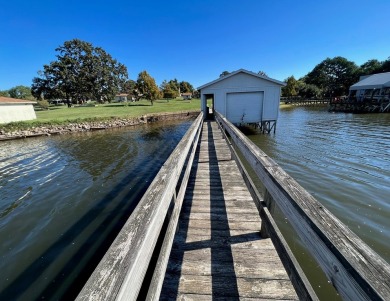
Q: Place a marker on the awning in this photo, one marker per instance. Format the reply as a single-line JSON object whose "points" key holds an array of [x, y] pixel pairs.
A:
{"points": [[375, 81]]}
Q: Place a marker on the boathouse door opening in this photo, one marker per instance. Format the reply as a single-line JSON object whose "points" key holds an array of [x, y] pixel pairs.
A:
{"points": [[208, 106]]}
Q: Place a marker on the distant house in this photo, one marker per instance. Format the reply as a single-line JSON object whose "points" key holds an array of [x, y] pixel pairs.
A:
{"points": [[121, 97], [244, 97], [186, 96], [12, 109], [371, 87]]}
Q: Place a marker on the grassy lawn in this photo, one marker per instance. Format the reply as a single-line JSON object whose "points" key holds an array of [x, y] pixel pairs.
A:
{"points": [[62, 114]]}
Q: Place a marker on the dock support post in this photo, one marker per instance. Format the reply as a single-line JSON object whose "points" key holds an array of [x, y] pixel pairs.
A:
{"points": [[270, 204]]}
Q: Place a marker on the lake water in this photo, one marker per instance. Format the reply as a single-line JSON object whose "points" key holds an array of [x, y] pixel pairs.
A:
{"points": [[63, 199], [343, 160]]}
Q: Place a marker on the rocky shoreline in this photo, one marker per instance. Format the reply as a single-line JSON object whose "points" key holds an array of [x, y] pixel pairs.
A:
{"points": [[94, 126]]}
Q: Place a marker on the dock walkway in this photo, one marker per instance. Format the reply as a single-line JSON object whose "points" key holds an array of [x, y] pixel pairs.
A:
{"points": [[218, 253]]}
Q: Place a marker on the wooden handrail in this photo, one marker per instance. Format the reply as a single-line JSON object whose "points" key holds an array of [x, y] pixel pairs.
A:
{"points": [[354, 269], [120, 274]]}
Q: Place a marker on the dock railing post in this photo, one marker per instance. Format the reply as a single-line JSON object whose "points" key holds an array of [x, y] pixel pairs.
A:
{"points": [[270, 204]]}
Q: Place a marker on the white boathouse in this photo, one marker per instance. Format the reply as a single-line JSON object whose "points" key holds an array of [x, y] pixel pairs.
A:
{"points": [[244, 97]]}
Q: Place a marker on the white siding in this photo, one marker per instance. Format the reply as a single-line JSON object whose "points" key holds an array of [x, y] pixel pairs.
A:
{"points": [[245, 107], [271, 105], [14, 112], [247, 84]]}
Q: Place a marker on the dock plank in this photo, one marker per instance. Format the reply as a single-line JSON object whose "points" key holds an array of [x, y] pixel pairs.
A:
{"points": [[218, 253]]}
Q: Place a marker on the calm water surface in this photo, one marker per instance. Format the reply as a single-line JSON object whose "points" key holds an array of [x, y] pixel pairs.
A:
{"points": [[64, 198], [343, 160]]}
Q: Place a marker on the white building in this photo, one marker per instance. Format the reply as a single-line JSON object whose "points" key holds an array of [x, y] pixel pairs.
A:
{"points": [[121, 97], [12, 109], [244, 97]]}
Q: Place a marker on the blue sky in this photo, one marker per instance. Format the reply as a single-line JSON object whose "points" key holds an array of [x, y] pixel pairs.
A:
{"points": [[194, 40]]}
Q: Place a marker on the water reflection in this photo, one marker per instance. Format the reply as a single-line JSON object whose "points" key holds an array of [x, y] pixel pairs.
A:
{"points": [[63, 199]]}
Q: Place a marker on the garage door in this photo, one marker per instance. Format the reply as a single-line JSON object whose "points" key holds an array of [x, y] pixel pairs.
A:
{"points": [[244, 107]]}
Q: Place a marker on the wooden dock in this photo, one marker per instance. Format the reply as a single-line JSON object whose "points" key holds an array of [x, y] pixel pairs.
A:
{"points": [[202, 231], [218, 252]]}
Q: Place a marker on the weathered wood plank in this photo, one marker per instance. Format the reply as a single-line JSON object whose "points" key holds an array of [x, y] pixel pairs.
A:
{"points": [[247, 287], [198, 297], [269, 268], [218, 241], [216, 225]]}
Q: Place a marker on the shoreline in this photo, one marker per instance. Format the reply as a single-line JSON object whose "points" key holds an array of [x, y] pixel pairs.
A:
{"points": [[94, 126]]}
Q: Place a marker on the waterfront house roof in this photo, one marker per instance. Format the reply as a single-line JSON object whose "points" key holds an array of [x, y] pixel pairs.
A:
{"points": [[375, 81], [246, 72], [9, 100]]}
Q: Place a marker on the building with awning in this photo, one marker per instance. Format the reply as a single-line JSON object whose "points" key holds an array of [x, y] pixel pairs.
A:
{"points": [[12, 109], [371, 87]]}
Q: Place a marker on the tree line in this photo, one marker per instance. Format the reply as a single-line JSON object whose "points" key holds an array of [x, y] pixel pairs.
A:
{"points": [[83, 72], [332, 78]]}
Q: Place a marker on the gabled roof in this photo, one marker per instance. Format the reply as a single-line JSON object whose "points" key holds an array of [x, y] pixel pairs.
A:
{"points": [[374, 81], [9, 100], [246, 72]]}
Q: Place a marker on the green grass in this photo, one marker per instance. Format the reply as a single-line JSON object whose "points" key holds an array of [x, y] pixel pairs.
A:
{"points": [[58, 115]]}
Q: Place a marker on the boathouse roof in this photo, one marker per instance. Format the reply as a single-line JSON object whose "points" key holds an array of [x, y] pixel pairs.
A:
{"points": [[375, 81], [246, 72]]}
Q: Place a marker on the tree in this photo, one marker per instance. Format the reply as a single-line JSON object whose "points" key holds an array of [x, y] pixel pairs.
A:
{"points": [[4, 93], [385, 66], [291, 89], [370, 67], [308, 90], [224, 73], [146, 85], [80, 72], [333, 76], [186, 87], [169, 89], [21, 92]]}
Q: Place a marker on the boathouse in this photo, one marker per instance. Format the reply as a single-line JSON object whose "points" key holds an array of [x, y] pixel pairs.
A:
{"points": [[371, 87], [243, 97], [12, 109]]}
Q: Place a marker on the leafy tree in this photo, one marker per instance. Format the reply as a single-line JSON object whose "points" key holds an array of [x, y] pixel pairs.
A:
{"points": [[333, 76], [129, 86], [370, 67], [224, 73], [308, 90], [291, 89], [385, 66], [186, 87], [169, 89], [4, 93], [21, 92], [146, 85], [80, 72]]}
